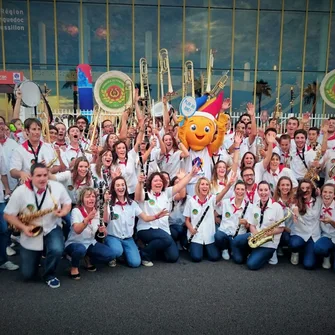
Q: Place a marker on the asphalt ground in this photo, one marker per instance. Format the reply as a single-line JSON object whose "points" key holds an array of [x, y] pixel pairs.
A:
{"points": [[181, 298]]}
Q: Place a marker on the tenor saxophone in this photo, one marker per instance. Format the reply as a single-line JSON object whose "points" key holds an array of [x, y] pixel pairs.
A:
{"points": [[312, 173], [262, 236]]}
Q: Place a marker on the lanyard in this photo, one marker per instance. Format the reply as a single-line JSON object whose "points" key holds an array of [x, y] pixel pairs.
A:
{"points": [[262, 213], [39, 205], [302, 157], [35, 153]]}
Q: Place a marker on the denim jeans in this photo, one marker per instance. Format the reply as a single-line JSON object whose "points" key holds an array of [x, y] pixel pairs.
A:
{"points": [[323, 247], [197, 252], [158, 240], [240, 248], [66, 220], [285, 239], [127, 247], [297, 244], [98, 253], [224, 241], [30, 259], [259, 257], [4, 236], [179, 233]]}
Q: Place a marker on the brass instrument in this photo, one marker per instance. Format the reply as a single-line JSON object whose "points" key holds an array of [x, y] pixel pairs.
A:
{"points": [[95, 121], [210, 66], [259, 147], [221, 83], [45, 127], [278, 110], [262, 236], [331, 172], [188, 78], [144, 84], [164, 67], [312, 173]]}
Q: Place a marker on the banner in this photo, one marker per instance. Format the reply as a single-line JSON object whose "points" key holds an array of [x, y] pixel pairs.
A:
{"points": [[85, 90]]}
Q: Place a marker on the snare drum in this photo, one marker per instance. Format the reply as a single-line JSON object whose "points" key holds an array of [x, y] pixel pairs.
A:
{"points": [[31, 94]]}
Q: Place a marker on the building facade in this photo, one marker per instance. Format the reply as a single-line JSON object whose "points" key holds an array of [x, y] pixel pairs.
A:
{"points": [[290, 45]]}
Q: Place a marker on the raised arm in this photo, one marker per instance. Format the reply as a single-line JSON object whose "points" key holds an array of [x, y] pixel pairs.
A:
{"points": [[184, 179], [139, 196], [251, 112], [230, 183], [270, 139]]}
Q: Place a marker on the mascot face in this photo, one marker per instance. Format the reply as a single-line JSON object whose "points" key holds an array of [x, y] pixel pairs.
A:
{"points": [[200, 131]]}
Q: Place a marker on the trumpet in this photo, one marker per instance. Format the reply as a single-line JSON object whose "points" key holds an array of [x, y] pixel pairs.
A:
{"points": [[278, 110], [188, 78], [221, 83], [262, 236], [164, 67], [144, 83]]}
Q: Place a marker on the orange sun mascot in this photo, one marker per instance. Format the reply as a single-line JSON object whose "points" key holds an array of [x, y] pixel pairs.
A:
{"points": [[202, 133]]}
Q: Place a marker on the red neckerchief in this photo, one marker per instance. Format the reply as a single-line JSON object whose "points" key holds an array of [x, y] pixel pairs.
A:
{"points": [[167, 156], [74, 149], [251, 194], [124, 163], [199, 201], [3, 141], [26, 146], [327, 210], [28, 183], [156, 194], [81, 183], [281, 203], [285, 154], [309, 203], [236, 209], [222, 183], [280, 167], [331, 137], [83, 212], [122, 204], [61, 144]]}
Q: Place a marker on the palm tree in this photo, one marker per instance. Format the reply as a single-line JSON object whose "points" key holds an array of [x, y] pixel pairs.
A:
{"points": [[262, 88], [309, 95], [71, 82]]}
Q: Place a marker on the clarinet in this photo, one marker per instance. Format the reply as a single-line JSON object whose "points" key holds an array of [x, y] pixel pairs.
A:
{"points": [[105, 176], [198, 224], [95, 182], [242, 216], [146, 197], [100, 236]]}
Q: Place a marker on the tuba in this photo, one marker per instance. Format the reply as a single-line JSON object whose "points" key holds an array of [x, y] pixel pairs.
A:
{"points": [[188, 78], [262, 236]]}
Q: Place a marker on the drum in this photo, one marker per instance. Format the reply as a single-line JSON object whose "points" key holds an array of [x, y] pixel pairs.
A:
{"points": [[327, 89], [31, 94], [114, 92]]}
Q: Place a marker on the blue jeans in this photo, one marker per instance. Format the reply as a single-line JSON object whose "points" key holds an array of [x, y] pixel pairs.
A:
{"points": [[66, 220], [197, 252], [30, 259], [158, 240], [240, 248], [298, 244], [4, 236], [259, 257], [98, 253], [127, 247], [179, 233], [285, 239], [323, 247]]}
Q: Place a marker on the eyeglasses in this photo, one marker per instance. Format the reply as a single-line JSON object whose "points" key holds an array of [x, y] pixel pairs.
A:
{"points": [[248, 175]]}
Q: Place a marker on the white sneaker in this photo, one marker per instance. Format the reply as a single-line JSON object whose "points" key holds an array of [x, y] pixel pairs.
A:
{"points": [[280, 252], [295, 258], [112, 263], [10, 251], [9, 266], [225, 255], [15, 239], [147, 263], [274, 259], [326, 263]]}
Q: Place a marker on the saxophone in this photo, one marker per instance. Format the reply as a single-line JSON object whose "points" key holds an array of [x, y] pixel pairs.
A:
{"points": [[312, 173], [261, 237], [27, 218]]}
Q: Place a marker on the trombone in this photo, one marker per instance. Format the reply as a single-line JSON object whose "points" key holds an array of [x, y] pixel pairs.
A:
{"points": [[164, 67], [144, 84], [94, 124], [188, 78], [210, 66]]}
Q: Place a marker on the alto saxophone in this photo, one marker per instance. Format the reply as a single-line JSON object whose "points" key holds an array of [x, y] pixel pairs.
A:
{"points": [[312, 173], [262, 236]]}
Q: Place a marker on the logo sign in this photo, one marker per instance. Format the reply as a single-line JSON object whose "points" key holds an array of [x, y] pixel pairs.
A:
{"points": [[188, 106], [10, 77], [195, 212], [327, 89]]}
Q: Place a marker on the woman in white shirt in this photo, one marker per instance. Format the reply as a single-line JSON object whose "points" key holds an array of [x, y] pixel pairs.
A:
{"points": [[306, 228], [156, 234], [264, 213], [101, 170], [120, 212], [199, 213], [325, 246], [81, 242]]}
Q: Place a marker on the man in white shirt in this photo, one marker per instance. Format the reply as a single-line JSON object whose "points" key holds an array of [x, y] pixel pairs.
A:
{"points": [[46, 201]]}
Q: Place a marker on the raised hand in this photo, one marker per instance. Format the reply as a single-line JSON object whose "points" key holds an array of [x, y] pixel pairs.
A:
{"points": [[226, 104], [250, 109]]}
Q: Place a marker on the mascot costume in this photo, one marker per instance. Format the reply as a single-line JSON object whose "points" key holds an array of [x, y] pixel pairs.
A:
{"points": [[202, 132]]}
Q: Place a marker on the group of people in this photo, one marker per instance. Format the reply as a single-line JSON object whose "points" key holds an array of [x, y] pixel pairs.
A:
{"points": [[136, 194]]}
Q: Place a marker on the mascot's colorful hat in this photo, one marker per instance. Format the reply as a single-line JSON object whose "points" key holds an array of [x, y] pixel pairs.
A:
{"points": [[210, 108]]}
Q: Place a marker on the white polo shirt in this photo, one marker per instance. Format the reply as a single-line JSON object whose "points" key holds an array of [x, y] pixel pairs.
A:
{"points": [[153, 164], [331, 142], [22, 201], [170, 162], [327, 230], [194, 210], [176, 216], [308, 225], [23, 158], [87, 236], [71, 153], [3, 172], [231, 215], [296, 164], [123, 221], [153, 207], [222, 155], [8, 147], [272, 214], [328, 161]]}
